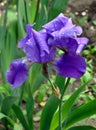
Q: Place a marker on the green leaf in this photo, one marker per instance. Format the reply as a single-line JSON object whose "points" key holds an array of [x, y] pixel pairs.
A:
{"points": [[8, 118], [20, 116], [51, 106], [3, 89], [17, 126], [94, 22], [2, 53], [31, 10], [21, 18], [30, 109], [2, 115], [48, 112], [7, 104], [66, 107], [82, 128], [11, 47], [2, 37], [80, 113], [35, 77], [57, 7], [60, 81], [42, 16]]}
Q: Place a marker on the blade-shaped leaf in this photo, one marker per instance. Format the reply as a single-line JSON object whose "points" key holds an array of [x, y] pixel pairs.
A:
{"points": [[48, 112], [31, 7], [51, 106], [42, 15], [66, 107], [20, 116], [57, 7], [60, 81], [80, 113], [35, 77], [30, 109], [21, 18], [7, 104], [82, 128], [7, 117]]}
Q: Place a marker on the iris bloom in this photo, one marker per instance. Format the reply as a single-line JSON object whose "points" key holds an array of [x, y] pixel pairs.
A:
{"points": [[41, 47], [36, 47], [18, 72], [65, 37]]}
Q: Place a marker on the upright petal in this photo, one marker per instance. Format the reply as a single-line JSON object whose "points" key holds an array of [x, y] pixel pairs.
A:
{"points": [[57, 23], [23, 41], [72, 66], [82, 42], [35, 45]]}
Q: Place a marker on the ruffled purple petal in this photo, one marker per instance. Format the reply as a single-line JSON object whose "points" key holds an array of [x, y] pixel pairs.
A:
{"points": [[24, 40], [71, 66], [57, 23], [18, 73], [69, 45], [41, 42], [35, 45], [68, 31]]}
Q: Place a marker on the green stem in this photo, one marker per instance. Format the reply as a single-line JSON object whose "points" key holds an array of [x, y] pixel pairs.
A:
{"points": [[21, 94], [60, 105]]}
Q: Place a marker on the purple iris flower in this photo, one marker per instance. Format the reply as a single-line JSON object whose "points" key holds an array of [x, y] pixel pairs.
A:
{"points": [[64, 35], [18, 72], [62, 30], [36, 47]]}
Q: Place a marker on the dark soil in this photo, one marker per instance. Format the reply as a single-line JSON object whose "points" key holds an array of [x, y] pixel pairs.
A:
{"points": [[84, 8]]}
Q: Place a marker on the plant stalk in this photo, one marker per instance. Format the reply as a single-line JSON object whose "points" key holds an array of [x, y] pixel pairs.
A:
{"points": [[60, 104]]}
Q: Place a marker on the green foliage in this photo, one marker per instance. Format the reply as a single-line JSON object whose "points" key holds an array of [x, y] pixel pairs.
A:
{"points": [[20, 116], [48, 112], [30, 109], [66, 107], [17, 15], [7, 117], [84, 111], [57, 7], [7, 104], [82, 128], [36, 78]]}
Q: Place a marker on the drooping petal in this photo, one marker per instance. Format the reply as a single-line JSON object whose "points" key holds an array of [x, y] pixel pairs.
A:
{"points": [[72, 66], [18, 73]]}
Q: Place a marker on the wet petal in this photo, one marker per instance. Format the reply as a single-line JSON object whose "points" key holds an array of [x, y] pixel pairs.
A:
{"points": [[72, 66]]}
